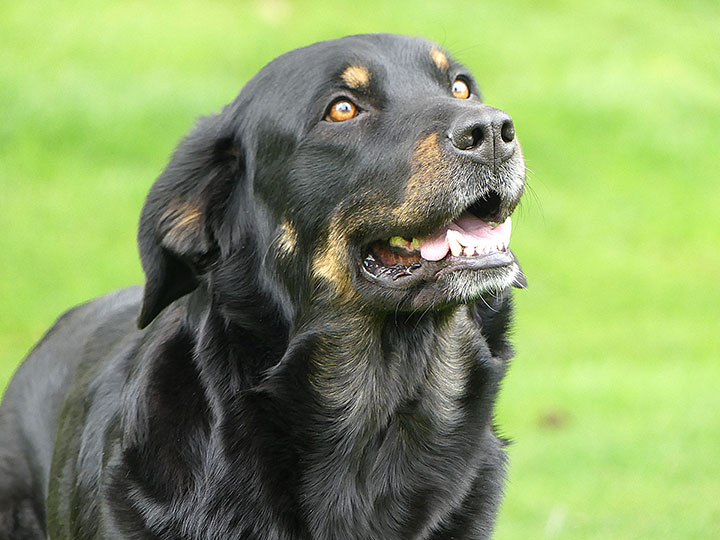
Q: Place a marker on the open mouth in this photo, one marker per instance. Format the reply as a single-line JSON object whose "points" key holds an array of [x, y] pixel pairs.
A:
{"points": [[478, 239]]}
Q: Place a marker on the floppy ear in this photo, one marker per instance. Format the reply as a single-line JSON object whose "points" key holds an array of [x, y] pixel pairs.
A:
{"points": [[178, 224]]}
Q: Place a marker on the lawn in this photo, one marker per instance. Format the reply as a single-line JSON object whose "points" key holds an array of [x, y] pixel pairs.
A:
{"points": [[613, 399]]}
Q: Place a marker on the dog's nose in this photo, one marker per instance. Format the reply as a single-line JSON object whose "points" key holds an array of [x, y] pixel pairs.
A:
{"points": [[486, 134]]}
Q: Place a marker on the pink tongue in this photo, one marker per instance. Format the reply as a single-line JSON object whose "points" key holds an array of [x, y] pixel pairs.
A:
{"points": [[473, 233]]}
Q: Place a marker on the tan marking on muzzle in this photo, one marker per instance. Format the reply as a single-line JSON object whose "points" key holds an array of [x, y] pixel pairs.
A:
{"points": [[440, 59], [429, 167], [356, 76]]}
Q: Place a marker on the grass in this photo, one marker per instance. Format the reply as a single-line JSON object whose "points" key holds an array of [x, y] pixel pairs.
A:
{"points": [[612, 399]]}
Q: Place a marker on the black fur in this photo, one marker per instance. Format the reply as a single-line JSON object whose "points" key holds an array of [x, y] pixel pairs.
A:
{"points": [[272, 390]]}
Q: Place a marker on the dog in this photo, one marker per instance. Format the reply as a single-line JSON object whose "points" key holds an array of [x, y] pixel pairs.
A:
{"points": [[317, 348]]}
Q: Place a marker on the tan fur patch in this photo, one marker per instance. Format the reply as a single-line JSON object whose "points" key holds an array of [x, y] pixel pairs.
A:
{"points": [[181, 222], [429, 169], [356, 76], [428, 166], [440, 59], [428, 155], [329, 261], [287, 240]]}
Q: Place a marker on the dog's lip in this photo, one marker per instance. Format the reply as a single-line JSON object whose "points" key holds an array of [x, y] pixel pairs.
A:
{"points": [[494, 259], [428, 271]]}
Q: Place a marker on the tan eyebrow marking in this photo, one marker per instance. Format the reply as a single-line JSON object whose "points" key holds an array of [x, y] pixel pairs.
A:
{"points": [[440, 58], [356, 76]]}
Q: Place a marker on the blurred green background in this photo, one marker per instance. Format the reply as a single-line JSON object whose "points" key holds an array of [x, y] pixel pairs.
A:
{"points": [[613, 398]]}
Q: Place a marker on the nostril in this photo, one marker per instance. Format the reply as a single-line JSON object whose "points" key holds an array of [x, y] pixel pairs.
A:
{"points": [[507, 131], [477, 136]]}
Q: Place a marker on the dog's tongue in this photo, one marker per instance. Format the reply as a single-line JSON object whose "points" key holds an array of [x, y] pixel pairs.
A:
{"points": [[470, 232]]}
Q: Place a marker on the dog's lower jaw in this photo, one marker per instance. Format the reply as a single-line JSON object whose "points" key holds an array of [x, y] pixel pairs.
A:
{"points": [[468, 286], [400, 439]]}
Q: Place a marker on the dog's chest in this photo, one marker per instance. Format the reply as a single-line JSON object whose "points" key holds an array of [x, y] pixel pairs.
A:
{"points": [[400, 436]]}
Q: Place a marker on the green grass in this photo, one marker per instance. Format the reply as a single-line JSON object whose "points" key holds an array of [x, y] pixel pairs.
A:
{"points": [[612, 400]]}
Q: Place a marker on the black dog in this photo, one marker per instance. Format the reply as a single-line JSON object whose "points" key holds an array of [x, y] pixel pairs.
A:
{"points": [[322, 329]]}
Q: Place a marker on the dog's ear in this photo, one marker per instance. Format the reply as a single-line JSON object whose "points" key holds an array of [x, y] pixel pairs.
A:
{"points": [[177, 236]]}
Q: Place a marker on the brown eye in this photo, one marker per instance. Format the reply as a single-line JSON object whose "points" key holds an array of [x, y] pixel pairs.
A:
{"points": [[341, 110], [460, 89]]}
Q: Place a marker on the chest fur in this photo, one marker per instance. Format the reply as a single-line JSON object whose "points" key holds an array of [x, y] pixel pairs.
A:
{"points": [[403, 415]]}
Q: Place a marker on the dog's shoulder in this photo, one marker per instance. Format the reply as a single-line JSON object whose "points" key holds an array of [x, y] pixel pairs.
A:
{"points": [[92, 325], [81, 335]]}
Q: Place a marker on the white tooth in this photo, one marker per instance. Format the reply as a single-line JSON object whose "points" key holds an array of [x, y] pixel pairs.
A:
{"points": [[455, 248], [453, 238]]}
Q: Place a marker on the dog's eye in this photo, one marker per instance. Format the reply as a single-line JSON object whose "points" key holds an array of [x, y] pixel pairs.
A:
{"points": [[341, 110], [460, 89]]}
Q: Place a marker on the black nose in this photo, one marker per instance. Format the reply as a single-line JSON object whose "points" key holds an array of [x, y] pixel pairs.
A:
{"points": [[486, 134]]}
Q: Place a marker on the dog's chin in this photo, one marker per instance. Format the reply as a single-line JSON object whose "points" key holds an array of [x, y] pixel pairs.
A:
{"points": [[468, 285]]}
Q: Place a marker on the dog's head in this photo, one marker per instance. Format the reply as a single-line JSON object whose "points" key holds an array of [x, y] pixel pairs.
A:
{"points": [[364, 170]]}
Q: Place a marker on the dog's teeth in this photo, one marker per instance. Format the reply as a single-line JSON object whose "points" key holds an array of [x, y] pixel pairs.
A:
{"points": [[398, 241], [453, 238]]}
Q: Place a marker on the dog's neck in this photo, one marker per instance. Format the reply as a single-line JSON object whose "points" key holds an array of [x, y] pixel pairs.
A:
{"points": [[369, 363], [397, 397], [366, 367]]}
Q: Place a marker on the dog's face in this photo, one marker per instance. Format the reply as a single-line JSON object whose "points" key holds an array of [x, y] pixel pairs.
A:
{"points": [[367, 168]]}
